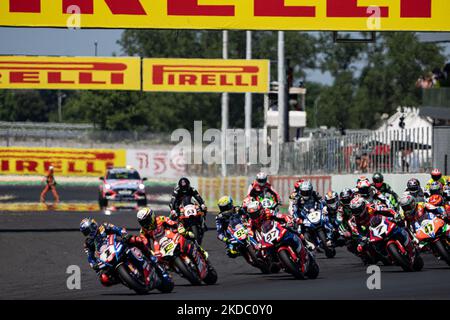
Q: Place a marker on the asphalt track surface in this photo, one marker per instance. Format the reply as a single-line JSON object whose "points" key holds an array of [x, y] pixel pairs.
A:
{"points": [[37, 248]]}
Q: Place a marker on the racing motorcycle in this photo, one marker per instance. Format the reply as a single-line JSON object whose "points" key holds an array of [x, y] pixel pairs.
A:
{"points": [[184, 258], [276, 241], [243, 242], [432, 234], [131, 267], [193, 219], [318, 230], [387, 238]]}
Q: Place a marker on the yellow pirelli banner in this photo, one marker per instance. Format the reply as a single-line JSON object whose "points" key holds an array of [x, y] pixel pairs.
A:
{"points": [[77, 73], [206, 75], [66, 162], [346, 15]]}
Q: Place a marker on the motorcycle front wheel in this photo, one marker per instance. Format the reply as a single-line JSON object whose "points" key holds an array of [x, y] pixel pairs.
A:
{"points": [[130, 281], [329, 252], [441, 250], [290, 265], [186, 272], [401, 260]]}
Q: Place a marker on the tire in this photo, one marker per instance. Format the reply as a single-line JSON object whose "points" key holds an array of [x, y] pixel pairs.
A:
{"points": [[258, 263], [313, 270], [441, 250], [290, 265], [418, 263], [166, 286], [130, 281], [399, 258], [329, 252], [192, 277], [197, 233], [211, 277]]}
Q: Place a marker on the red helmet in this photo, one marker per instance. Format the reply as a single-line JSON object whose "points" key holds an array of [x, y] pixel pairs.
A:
{"points": [[298, 183], [436, 174], [436, 200]]}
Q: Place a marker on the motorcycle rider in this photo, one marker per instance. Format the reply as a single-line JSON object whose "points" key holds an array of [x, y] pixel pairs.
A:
{"points": [[260, 187], [227, 210], [95, 236], [362, 213], [332, 205], [370, 193], [152, 225], [414, 211], [182, 195], [307, 198], [414, 189], [258, 216], [381, 186], [435, 188], [436, 175]]}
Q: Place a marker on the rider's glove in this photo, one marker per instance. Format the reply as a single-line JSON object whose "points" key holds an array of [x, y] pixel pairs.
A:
{"points": [[203, 206], [226, 240], [173, 214], [96, 266], [189, 234]]}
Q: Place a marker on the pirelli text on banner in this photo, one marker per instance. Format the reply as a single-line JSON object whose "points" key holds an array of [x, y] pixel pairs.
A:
{"points": [[66, 162], [345, 15], [206, 75], [77, 73]]}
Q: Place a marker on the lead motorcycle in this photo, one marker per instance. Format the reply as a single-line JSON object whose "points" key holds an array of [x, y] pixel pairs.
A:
{"points": [[276, 241], [242, 241], [388, 238], [184, 258], [131, 267]]}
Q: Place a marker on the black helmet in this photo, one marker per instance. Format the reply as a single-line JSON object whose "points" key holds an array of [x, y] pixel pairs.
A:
{"points": [[88, 227], [225, 203], [446, 194], [332, 200], [346, 196], [413, 186], [378, 180], [184, 184]]}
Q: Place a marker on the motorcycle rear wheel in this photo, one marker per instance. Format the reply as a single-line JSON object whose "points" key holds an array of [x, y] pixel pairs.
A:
{"points": [[130, 281], [290, 265], [399, 258], [192, 277]]}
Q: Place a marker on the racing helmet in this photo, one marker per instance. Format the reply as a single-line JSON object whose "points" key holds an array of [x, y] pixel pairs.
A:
{"points": [[436, 174], [435, 188], [408, 204], [332, 200], [364, 187], [254, 209], [184, 184], [413, 186], [297, 184], [88, 227], [378, 180], [225, 203], [436, 200], [261, 179], [358, 206], [146, 218], [306, 189], [346, 196]]}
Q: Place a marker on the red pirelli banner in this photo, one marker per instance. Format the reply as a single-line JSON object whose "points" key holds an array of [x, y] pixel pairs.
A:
{"points": [[206, 75], [346, 15], [24, 72]]}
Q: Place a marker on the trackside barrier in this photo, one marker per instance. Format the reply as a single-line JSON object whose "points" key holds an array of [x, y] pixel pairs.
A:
{"points": [[212, 189], [284, 185]]}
